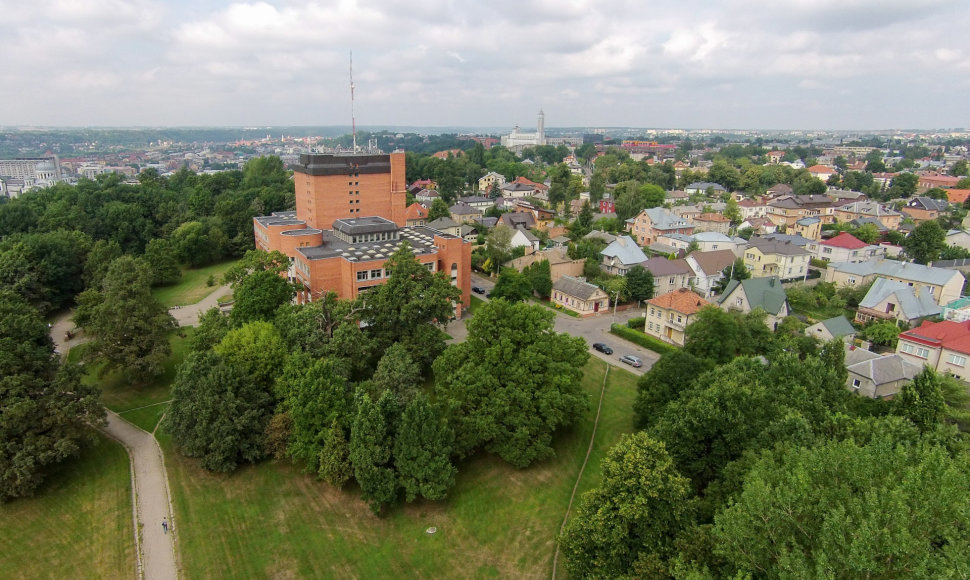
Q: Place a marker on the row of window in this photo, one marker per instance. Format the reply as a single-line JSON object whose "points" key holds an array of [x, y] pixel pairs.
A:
{"points": [[915, 350]]}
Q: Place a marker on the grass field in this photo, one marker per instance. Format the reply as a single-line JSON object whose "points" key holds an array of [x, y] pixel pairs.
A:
{"points": [[139, 404], [193, 286], [79, 523], [270, 520]]}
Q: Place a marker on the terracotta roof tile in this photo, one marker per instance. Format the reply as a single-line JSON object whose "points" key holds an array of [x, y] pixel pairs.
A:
{"points": [[682, 300]]}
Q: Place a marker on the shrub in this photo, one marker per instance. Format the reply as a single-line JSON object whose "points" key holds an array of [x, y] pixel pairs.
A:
{"points": [[642, 339], [636, 323]]}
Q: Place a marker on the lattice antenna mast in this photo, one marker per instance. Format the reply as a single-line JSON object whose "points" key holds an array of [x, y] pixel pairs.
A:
{"points": [[353, 113]]}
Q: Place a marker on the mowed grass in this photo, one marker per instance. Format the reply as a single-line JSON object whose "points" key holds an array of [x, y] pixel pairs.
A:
{"points": [[193, 286], [140, 404], [78, 525], [271, 520]]}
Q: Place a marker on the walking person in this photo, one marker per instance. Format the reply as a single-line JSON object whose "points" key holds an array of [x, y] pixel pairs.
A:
{"points": [[164, 526]]}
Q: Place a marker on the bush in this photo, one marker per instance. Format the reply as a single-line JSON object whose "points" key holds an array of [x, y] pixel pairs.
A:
{"points": [[641, 339], [636, 323]]}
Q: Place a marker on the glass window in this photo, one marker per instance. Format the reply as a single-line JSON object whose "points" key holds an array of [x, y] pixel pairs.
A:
{"points": [[361, 275], [375, 274], [955, 359]]}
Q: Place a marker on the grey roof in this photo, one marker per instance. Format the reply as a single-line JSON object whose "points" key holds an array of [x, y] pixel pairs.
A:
{"points": [[869, 220], [854, 355], [795, 239], [488, 222], [885, 369], [575, 287], [462, 208], [928, 203], [420, 238], [443, 223], [528, 235], [664, 267], [703, 185], [714, 261], [897, 269], [769, 246], [712, 237], [663, 219], [764, 293], [475, 199], [364, 225], [662, 248], [599, 235], [624, 249], [805, 221], [911, 305], [679, 237]]}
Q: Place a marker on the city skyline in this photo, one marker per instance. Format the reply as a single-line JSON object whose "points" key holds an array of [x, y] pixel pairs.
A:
{"points": [[850, 65]]}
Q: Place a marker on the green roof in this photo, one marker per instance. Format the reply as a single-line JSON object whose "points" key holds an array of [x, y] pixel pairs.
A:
{"points": [[764, 293], [839, 326]]}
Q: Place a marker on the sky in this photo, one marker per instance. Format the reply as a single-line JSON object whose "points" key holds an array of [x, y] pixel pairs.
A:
{"points": [[718, 64]]}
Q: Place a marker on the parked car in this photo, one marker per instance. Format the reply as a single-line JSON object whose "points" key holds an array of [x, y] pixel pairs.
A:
{"points": [[602, 348], [632, 360], [478, 290]]}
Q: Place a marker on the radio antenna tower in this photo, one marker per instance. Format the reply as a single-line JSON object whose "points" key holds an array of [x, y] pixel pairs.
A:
{"points": [[353, 114]]}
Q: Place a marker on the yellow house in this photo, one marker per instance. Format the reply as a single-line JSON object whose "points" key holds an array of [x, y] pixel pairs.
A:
{"points": [[943, 285], [809, 227], [765, 258], [668, 315]]}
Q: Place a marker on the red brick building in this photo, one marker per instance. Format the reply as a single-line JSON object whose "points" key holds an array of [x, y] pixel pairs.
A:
{"points": [[350, 217]]}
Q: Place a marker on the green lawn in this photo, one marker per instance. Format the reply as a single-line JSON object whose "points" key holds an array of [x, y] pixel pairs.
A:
{"points": [[272, 520], [139, 403], [78, 525], [552, 306], [193, 285], [477, 303]]}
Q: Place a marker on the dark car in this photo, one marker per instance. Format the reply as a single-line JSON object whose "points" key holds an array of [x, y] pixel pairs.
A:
{"points": [[602, 348], [632, 360], [478, 290]]}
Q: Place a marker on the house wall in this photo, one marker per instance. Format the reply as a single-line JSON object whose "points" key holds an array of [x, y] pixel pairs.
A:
{"points": [[867, 388], [784, 266], [918, 354], [666, 324], [598, 302], [954, 363]]}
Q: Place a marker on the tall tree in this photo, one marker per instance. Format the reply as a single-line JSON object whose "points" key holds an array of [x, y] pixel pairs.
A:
{"points": [[398, 373], [162, 263], [512, 383], [45, 410], [539, 274], [218, 413], [921, 400], [439, 209], [925, 242], [258, 296], [371, 439], [639, 283], [335, 466], [422, 452], [634, 514], [130, 327], [512, 285]]}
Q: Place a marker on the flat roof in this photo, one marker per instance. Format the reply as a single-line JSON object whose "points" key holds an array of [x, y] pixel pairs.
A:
{"points": [[364, 225], [420, 238]]}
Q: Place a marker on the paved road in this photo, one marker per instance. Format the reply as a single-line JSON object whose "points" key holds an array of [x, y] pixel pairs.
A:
{"points": [[152, 501], [593, 329]]}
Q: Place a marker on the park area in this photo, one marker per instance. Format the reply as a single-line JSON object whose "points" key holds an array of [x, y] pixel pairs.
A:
{"points": [[272, 520]]}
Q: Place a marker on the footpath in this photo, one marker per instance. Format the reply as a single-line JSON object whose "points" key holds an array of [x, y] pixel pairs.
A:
{"points": [[151, 499]]}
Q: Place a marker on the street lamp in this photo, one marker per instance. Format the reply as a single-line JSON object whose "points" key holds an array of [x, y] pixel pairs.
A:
{"points": [[616, 296]]}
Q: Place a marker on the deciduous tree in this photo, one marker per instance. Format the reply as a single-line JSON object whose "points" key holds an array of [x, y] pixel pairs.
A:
{"points": [[371, 439], [422, 452]]}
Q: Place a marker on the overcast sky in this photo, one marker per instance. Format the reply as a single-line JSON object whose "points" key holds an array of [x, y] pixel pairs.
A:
{"points": [[829, 64]]}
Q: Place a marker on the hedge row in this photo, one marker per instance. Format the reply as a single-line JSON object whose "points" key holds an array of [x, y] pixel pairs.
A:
{"points": [[642, 339]]}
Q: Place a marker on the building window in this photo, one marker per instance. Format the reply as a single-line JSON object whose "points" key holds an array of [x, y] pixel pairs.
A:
{"points": [[361, 276], [375, 274], [955, 359], [740, 302], [856, 383], [907, 348], [922, 352]]}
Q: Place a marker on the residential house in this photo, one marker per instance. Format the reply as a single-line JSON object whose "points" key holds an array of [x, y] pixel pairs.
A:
{"points": [[540, 188], [676, 196], [712, 222], [469, 231], [708, 268], [886, 217], [957, 310], [649, 224], [847, 248], [958, 238], [463, 213], [779, 190], [579, 296], [518, 220], [786, 210], [752, 208], [416, 215], [518, 190], [922, 209], [875, 376], [766, 258], [446, 225], [669, 275], [425, 195], [942, 346], [600, 235], [478, 202], [543, 217], [931, 180], [760, 225], [704, 186], [831, 328], [892, 300], [766, 294], [822, 172], [485, 182], [807, 227], [621, 255], [487, 222], [941, 284], [560, 264], [957, 196], [523, 238], [711, 241], [671, 243], [668, 315]]}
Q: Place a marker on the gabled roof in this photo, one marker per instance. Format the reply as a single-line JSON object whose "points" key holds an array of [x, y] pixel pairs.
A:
{"points": [[838, 326], [624, 249], [462, 208], [661, 266], [769, 246], [711, 217], [682, 300], [845, 240], [928, 203], [713, 237], [957, 196], [443, 223], [808, 221], [947, 334], [869, 220], [820, 169], [416, 211], [575, 287], [911, 305], [703, 185], [714, 261], [885, 369], [896, 269], [764, 293], [522, 219], [663, 219]]}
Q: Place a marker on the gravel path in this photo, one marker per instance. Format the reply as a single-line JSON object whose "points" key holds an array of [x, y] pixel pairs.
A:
{"points": [[152, 503]]}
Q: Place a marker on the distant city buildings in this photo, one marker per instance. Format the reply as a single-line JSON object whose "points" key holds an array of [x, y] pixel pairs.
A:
{"points": [[517, 140]]}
